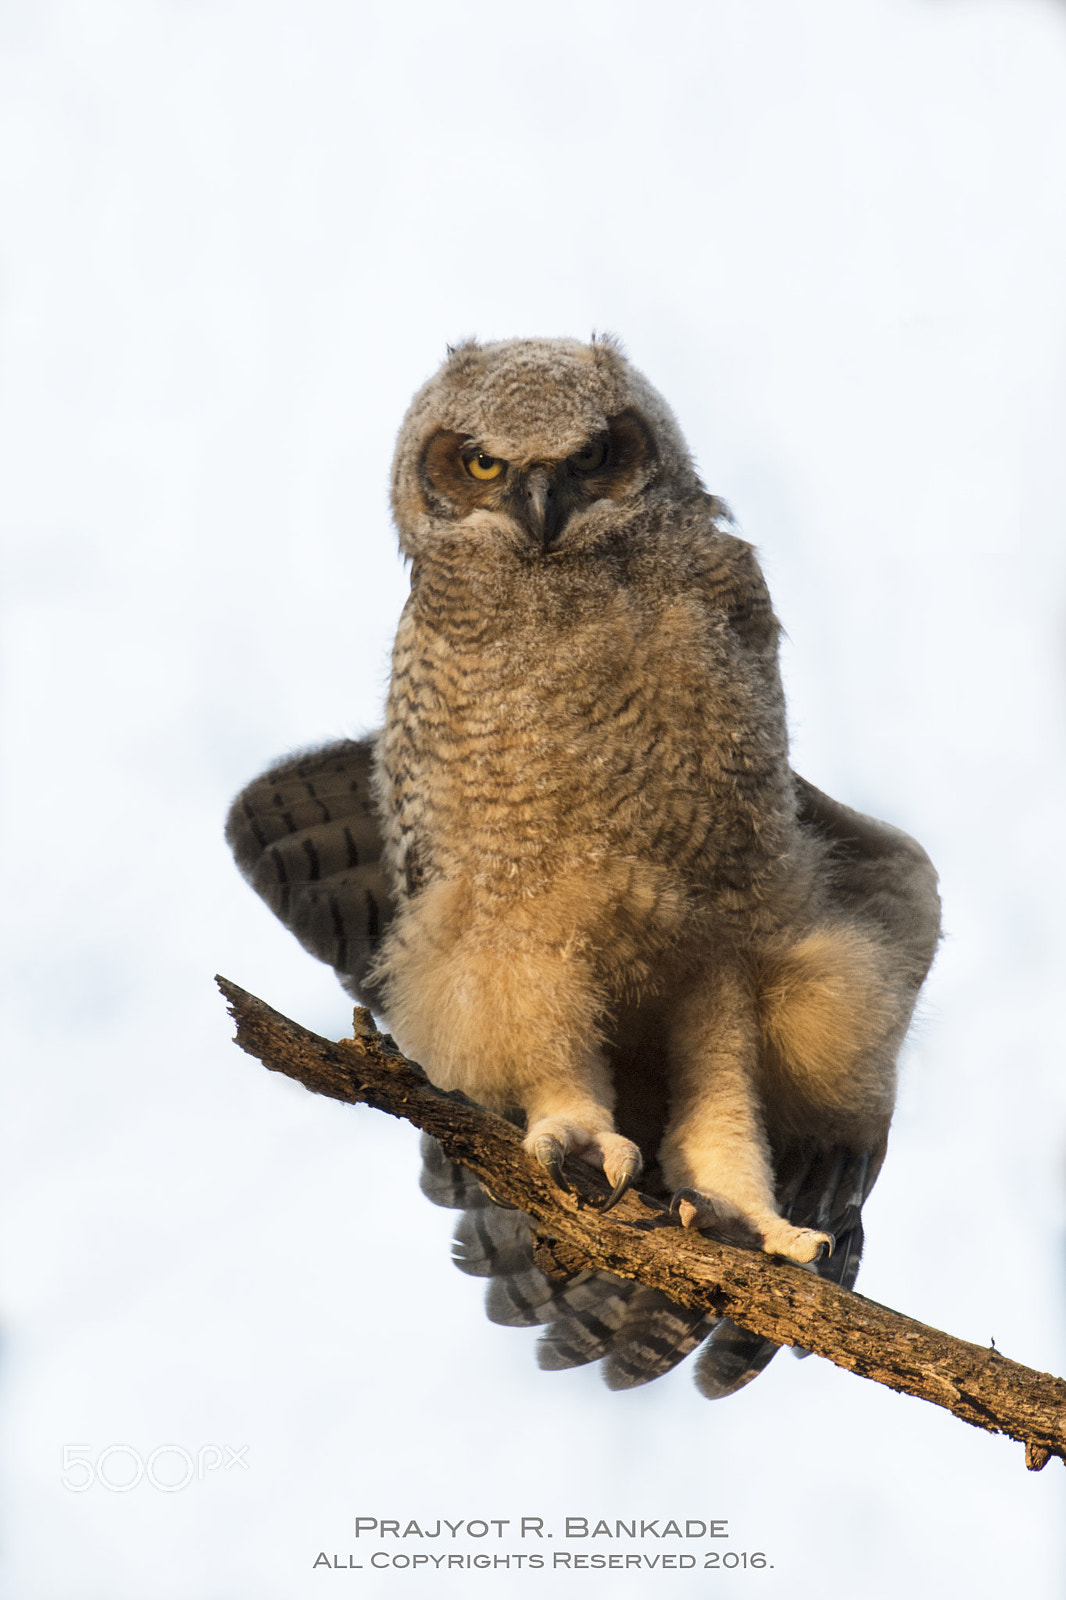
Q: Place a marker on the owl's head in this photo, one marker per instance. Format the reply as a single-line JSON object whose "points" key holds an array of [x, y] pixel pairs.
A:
{"points": [[547, 442]]}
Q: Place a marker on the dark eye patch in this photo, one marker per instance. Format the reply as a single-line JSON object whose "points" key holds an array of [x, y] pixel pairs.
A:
{"points": [[591, 458], [631, 451], [446, 471]]}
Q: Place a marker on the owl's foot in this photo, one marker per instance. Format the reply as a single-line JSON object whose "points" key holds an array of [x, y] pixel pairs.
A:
{"points": [[551, 1139], [548, 1150], [698, 1208]]}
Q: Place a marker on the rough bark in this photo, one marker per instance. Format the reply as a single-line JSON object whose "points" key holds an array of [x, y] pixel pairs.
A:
{"points": [[640, 1241]]}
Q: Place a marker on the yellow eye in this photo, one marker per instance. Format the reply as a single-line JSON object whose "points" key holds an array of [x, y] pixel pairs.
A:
{"points": [[483, 467], [591, 458]]}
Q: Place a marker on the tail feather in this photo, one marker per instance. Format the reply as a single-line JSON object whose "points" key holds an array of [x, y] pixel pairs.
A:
{"points": [[446, 1183], [521, 1299], [731, 1358], [655, 1336], [588, 1316], [489, 1243]]}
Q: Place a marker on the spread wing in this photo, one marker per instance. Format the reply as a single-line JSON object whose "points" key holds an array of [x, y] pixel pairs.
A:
{"points": [[306, 836]]}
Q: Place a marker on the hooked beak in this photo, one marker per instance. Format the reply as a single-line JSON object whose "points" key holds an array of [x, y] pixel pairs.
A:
{"points": [[539, 505]]}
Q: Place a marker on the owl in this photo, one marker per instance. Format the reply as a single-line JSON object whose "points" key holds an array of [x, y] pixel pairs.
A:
{"points": [[575, 871]]}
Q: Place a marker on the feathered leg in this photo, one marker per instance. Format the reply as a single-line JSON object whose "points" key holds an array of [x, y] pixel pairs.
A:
{"points": [[486, 1008], [716, 1154]]}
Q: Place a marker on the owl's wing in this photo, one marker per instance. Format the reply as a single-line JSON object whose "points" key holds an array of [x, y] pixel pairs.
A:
{"points": [[879, 873], [306, 836]]}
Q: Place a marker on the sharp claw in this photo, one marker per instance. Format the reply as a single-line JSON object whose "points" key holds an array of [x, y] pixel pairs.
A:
{"points": [[826, 1250], [625, 1182], [549, 1152], [683, 1194]]}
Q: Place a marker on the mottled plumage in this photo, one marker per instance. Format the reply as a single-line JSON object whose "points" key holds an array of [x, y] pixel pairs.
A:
{"points": [[586, 887]]}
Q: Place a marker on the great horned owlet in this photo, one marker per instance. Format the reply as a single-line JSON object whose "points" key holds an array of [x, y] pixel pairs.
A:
{"points": [[575, 871]]}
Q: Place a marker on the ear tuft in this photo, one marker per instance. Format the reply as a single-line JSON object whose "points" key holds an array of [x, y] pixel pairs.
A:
{"points": [[607, 341]]}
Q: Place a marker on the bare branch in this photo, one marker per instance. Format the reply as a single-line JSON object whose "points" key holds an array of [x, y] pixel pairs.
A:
{"points": [[773, 1298]]}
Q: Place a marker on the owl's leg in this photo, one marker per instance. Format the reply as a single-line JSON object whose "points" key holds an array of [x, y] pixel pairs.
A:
{"points": [[573, 1115], [511, 1022], [715, 1153]]}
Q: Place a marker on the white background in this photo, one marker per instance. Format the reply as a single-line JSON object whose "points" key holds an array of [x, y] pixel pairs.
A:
{"points": [[236, 235]]}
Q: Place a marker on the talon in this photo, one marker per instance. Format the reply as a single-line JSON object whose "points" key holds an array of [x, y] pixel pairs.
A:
{"points": [[826, 1250], [683, 1194], [549, 1152], [625, 1182]]}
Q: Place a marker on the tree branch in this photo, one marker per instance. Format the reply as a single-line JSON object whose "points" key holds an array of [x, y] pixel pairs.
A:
{"points": [[773, 1298]]}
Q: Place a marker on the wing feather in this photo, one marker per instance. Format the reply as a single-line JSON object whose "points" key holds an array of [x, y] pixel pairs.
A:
{"points": [[306, 836]]}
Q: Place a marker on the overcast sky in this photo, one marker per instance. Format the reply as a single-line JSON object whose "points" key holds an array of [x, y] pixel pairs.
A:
{"points": [[235, 235]]}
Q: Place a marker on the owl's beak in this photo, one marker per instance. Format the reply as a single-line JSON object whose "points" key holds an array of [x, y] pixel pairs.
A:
{"points": [[540, 508]]}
